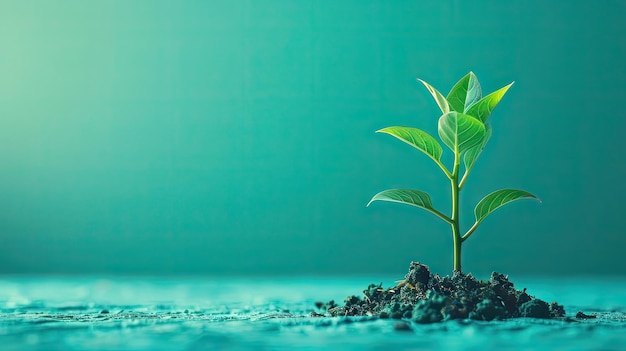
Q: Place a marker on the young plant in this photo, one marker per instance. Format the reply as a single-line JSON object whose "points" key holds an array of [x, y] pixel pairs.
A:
{"points": [[465, 129]]}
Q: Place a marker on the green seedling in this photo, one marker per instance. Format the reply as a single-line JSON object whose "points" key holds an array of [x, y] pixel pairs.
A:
{"points": [[464, 127]]}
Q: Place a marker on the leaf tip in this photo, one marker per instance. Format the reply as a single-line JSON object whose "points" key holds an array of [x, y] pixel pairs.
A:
{"points": [[534, 197], [370, 202]]}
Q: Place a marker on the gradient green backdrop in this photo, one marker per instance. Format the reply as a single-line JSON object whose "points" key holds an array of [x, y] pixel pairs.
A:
{"points": [[237, 137]]}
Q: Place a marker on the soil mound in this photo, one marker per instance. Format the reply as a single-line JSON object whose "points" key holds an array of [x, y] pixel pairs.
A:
{"points": [[427, 298]]}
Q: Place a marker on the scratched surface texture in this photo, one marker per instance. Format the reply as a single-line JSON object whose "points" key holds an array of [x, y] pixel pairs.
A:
{"points": [[274, 314]]}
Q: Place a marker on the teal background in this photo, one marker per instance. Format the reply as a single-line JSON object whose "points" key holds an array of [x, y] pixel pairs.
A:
{"points": [[237, 137]]}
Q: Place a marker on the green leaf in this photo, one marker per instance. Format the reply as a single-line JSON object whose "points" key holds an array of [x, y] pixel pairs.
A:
{"points": [[416, 198], [464, 93], [474, 92], [416, 138], [483, 108], [472, 154], [439, 98], [460, 131], [498, 199], [456, 96]]}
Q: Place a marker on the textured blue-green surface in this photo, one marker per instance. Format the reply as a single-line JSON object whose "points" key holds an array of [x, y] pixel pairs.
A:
{"points": [[273, 314]]}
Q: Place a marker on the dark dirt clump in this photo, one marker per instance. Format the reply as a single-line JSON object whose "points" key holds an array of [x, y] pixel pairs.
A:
{"points": [[581, 315], [426, 298]]}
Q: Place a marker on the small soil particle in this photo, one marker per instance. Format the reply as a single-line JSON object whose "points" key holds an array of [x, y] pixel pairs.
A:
{"points": [[426, 298], [402, 326], [581, 315]]}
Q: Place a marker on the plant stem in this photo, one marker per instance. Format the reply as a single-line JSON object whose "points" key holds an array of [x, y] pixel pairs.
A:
{"points": [[443, 168], [440, 215], [463, 179], [470, 231], [456, 234]]}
